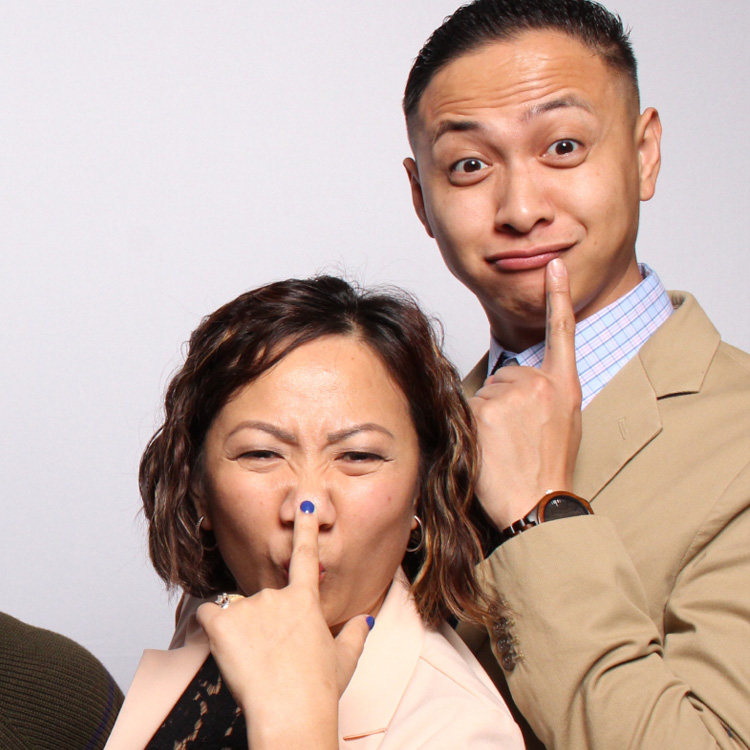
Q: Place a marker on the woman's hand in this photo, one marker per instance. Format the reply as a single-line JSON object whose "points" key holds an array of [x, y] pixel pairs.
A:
{"points": [[278, 657]]}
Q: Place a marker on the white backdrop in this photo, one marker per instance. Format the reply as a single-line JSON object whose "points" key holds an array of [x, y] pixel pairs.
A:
{"points": [[156, 159]]}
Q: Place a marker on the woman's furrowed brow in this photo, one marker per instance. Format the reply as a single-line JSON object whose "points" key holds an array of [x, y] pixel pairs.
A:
{"points": [[271, 429], [335, 437]]}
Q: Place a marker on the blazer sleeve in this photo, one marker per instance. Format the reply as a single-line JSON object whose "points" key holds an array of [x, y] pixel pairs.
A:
{"points": [[593, 669]]}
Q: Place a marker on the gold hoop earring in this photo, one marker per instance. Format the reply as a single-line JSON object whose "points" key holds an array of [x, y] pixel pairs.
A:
{"points": [[198, 533], [420, 543]]}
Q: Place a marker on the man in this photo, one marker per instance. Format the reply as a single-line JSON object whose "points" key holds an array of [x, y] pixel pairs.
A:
{"points": [[628, 620], [54, 695]]}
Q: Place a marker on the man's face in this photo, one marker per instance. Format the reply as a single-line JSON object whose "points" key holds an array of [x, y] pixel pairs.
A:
{"points": [[527, 150]]}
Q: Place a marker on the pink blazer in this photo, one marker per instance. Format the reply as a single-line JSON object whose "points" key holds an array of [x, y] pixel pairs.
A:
{"points": [[413, 688]]}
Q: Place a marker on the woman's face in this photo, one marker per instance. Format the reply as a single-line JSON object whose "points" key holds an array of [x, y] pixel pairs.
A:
{"points": [[326, 424]]}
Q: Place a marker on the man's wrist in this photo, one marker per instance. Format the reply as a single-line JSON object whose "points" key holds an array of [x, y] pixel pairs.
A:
{"points": [[554, 504]]}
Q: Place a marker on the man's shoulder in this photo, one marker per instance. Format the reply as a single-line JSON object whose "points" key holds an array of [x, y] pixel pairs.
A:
{"points": [[689, 339], [45, 647], [735, 358]]}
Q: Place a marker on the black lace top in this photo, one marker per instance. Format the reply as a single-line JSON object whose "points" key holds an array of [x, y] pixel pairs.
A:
{"points": [[206, 717]]}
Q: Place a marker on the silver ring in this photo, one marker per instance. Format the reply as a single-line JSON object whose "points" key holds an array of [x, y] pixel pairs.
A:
{"points": [[224, 600]]}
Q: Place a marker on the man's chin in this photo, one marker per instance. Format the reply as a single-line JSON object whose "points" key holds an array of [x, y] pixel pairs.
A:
{"points": [[520, 325]]}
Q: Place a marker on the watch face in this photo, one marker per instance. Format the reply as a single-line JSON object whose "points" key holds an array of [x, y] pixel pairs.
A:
{"points": [[564, 506]]}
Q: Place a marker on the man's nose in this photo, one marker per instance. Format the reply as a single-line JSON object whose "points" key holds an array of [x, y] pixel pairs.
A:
{"points": [[522, 202], [315, 489]]}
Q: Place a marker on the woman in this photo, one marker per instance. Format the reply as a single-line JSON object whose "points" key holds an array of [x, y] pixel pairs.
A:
{"points": [[317, 457]]}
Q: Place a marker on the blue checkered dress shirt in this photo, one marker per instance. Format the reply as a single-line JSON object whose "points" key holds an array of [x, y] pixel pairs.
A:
{"points": [[607, 340]]}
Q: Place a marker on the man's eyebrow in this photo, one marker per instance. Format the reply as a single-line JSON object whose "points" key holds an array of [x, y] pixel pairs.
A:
{"points": [[553, 104], [463, 126], [335, 437], [456, 126], [277, 432]]}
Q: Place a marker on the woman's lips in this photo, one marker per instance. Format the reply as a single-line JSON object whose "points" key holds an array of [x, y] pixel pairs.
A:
{"points": [[527, 260]]}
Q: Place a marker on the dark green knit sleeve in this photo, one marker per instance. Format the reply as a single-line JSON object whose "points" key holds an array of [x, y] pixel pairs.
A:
{"points": [[54, 694]]}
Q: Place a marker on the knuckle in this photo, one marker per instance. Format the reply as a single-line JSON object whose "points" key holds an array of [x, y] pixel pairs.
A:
{"points": [[541, 387], [563, 325]]}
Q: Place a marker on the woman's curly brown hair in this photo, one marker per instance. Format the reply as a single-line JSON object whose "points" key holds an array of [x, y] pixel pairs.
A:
{"points": [[245, 338]]}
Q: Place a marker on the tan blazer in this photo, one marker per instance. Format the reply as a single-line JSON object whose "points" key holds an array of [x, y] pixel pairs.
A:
{"points": [[413, 688], [633, 625]]}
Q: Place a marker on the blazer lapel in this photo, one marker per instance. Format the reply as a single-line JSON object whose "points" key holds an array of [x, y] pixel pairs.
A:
{"points": [[624, 417], [385, 667], [475, 379], [160, 680], [617, 424]]}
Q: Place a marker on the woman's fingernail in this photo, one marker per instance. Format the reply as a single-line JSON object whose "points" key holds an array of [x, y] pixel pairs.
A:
{"points": [[370, 622], [306, 506]]}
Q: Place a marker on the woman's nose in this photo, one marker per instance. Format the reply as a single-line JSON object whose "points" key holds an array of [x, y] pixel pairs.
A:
{"points": [[318, 493]]}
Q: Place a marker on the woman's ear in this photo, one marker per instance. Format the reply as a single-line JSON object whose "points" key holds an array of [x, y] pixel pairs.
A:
{"points": [[199, 495], [204, 522], [200, 503]]}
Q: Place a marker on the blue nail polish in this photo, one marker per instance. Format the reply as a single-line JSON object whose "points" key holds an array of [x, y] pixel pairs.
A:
{"points": [[370, 622], [307, 507]]}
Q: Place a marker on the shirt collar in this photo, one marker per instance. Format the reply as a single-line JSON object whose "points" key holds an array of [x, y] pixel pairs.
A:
{"points": [[607, 340]]}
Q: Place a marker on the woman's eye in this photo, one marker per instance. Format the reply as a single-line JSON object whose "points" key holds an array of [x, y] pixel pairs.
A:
{"points": [[468, 166], [361, 456], [563, 147], [259, 454]]}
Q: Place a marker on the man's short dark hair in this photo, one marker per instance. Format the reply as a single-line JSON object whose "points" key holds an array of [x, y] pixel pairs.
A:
{"points": [[482, 22]]}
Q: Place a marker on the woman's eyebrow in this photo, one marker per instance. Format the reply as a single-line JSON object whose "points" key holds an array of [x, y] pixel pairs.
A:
{"points": [[335, 437], [277, 432]]}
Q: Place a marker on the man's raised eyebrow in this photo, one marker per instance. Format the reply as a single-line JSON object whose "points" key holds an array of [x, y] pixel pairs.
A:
{"points": [[277, 432], [335, 437], [552, 104], [456, 126]]}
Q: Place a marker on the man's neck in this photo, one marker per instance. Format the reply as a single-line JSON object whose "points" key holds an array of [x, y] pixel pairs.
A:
{"points": [[515, 340]]}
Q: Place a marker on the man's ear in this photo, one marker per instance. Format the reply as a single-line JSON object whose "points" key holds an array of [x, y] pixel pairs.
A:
{"points": [[417, 197], [648, 141]]}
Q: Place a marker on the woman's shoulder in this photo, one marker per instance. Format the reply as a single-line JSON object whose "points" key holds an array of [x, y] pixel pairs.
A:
{"points": [[451, 702], [451, 662]]}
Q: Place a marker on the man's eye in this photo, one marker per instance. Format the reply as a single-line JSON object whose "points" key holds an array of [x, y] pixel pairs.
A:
{"points": [[467, 166], [563, 147]]}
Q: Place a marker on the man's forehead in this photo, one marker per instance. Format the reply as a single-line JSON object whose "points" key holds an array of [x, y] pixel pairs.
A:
{"points": [[523, 73]]}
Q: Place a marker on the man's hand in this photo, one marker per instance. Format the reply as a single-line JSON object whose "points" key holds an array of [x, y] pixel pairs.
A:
{"points": [[529, 420], [277, 654]]}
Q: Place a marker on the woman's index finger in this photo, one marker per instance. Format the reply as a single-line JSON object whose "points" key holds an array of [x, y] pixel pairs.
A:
{"points": [[304, 566]]}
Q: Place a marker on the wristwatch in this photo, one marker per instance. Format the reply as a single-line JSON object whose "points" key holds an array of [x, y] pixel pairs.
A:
{"points": [[553, 505]]}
